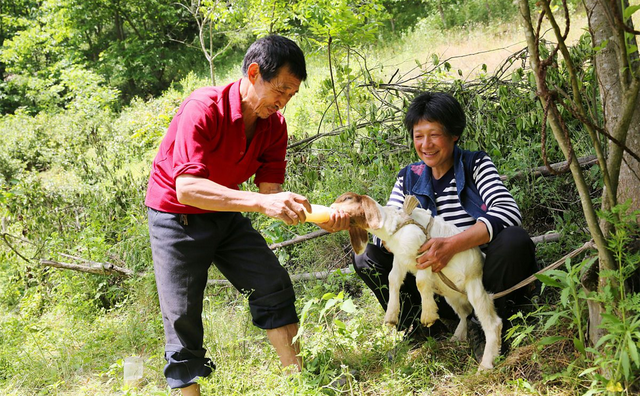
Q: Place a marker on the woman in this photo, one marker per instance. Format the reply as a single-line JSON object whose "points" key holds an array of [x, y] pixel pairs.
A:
{"points": [[465, 189]]}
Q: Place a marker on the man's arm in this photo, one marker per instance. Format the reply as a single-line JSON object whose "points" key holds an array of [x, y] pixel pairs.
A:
{"points": [[271, 200], [339, 220], [270, 188]]}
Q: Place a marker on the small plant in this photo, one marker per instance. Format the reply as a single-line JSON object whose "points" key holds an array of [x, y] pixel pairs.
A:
{"points": [[613, 364]]}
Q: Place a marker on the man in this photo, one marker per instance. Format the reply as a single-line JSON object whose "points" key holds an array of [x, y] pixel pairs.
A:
{"points": [[219, 138]]}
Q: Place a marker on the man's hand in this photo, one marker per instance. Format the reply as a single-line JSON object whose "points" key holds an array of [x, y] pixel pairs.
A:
{"points": [[286, 206], [435, 253]]}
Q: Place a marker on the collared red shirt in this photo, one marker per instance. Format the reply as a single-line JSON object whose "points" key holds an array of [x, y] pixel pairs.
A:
{"points": [[206, 138]]}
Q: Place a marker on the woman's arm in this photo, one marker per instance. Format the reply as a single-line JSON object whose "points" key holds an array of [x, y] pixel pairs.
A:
{"points": [[502, 209], [439, 251]]}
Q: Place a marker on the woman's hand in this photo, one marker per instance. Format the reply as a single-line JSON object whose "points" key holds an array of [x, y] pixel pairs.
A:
{"points": [[339, 221], [435, 253]]}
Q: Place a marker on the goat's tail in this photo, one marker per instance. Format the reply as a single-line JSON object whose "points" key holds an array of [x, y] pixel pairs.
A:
{"points": [[410, 203]]}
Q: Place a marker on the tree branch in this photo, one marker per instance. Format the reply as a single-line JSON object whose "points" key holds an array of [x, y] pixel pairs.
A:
{"points": [[91, 267]]}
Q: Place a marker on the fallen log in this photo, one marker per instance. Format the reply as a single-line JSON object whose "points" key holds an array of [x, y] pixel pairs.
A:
{"points": [[92, 267], [98, 268], [561, 167]]}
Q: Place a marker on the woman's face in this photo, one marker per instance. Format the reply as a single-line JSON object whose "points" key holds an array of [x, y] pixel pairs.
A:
{"points": [[434, 146]]}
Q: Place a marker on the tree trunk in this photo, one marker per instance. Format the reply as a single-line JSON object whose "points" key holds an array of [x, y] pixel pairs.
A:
{"points": [[441, 12], [616, 90], [606, 261]]}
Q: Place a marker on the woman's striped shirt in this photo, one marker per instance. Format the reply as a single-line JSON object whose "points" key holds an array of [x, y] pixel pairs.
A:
{"points": [[502, 210]]}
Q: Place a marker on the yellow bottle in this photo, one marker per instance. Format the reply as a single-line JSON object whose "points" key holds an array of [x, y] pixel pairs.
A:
{"points": [[319, 214]]}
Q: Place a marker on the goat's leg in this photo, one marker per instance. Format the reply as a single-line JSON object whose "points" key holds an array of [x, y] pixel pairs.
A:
{"points": [[396, 278], [491, 323], [424, 282], [461, 306]]}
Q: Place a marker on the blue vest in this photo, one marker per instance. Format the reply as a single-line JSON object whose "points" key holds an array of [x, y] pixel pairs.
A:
{"points": [[417, 181]]}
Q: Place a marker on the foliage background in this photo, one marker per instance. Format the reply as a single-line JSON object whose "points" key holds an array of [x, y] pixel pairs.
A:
{"points": [[87, 92]]}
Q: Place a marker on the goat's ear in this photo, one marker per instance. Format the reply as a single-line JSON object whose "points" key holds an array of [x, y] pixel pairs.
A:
{"points": [[359, 239], [371, 213]]}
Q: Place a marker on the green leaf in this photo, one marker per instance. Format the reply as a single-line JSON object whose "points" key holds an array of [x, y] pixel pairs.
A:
{"points": [[305, 310], [633, 351], [624, 360], [613, 319], [564, 296], [604, 339], [578, 345], [552, 320], [328, 296], [601, 46], [630, 11], [547, 280], [330, 304], [551, 340], [340, 324], [348, 306], [588, 371]]}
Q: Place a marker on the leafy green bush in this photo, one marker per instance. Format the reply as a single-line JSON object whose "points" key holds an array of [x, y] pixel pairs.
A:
{"points": [[614, 363]]}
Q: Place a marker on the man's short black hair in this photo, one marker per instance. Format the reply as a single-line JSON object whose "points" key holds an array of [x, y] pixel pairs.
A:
{"points": [[440, 107], [271, 53]]}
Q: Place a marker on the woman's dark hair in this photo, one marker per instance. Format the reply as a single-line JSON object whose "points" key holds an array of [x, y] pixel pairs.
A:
{"points": [[271, 53], [440, 107]]}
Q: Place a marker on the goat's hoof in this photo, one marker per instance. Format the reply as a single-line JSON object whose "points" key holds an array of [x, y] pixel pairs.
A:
{"points": [[429, 320], [484, 367], [391, 320], [458, 338]]}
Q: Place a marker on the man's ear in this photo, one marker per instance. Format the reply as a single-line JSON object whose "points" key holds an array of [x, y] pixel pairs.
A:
{"points": [[359, 238], [253, 72], [371, 213]]}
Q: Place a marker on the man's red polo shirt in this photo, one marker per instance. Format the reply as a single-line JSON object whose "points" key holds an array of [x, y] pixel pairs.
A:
{"points": [[206, 139]]}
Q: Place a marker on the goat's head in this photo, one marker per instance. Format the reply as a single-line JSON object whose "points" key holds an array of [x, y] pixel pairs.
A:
{"points": [[364, 213]]}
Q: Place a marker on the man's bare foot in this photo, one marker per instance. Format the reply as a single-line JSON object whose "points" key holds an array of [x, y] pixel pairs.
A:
{"points": [[191, 390]]}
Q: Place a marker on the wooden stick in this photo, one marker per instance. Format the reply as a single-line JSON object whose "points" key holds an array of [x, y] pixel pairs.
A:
{"points": [[94, 268], [299, 238], [553, 237]]}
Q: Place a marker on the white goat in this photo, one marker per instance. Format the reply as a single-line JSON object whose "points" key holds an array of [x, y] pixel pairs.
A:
{"points": [[460, 281]]}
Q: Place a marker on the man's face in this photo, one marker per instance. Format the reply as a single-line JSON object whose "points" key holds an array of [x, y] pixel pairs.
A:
{"points": [[271, 96]]}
